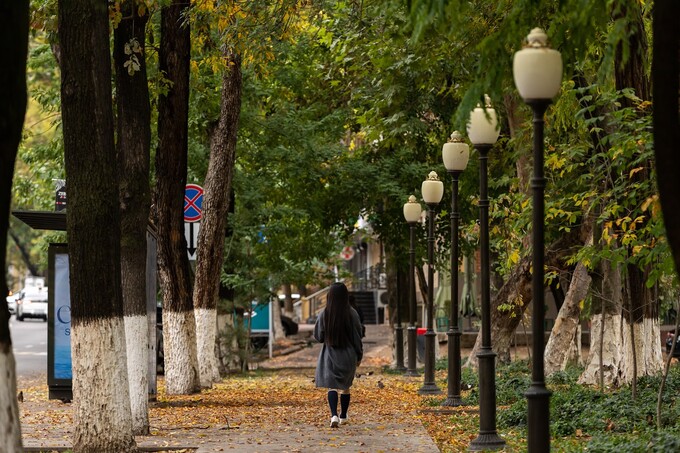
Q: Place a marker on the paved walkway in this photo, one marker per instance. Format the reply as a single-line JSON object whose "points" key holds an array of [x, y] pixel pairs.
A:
{"points": [[285, 419]]}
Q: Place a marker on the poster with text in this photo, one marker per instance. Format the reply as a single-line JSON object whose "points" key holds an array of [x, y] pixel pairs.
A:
{"points": [[62, 318]]}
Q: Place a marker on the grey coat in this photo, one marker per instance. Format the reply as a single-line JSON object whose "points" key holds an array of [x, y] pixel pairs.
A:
{"points": [[336, 367]]}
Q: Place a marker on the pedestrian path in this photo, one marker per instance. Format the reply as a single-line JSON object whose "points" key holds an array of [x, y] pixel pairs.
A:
{"points": [[273, 410]]}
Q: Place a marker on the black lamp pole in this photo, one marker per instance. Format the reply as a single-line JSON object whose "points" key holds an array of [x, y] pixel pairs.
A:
{"points": [[538, 396], [537, 71], [429, 387], [399, 330], [488, 438], [411, 331], [453, 397]]}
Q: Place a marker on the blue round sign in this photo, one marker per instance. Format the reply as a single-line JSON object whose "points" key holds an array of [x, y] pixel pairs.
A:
{"points": [[193, 203]]}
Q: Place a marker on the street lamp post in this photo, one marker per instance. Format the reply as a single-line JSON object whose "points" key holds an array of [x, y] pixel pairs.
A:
{"points": [[455, 154], [432, 190], [483, 132], [412, 213], [537, 70], [399, 337]]}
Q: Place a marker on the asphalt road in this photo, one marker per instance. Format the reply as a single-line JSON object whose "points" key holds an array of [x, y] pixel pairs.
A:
{"points": [[29, 341]]}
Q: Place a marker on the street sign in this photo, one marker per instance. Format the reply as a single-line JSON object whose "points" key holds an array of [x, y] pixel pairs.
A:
{"points": [[193, 203], [347, 253], [191, 235]]}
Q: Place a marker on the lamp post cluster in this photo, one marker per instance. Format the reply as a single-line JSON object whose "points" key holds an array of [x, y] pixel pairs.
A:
{"points": [[537, 72]]}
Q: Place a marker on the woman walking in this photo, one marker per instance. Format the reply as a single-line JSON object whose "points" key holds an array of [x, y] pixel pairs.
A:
{"points": [[339, 329]]}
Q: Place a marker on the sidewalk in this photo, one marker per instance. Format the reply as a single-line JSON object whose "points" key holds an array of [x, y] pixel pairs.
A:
{"points": [[274, 409]]}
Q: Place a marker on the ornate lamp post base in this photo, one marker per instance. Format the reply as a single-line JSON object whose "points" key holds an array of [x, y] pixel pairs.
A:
{"points": [[487, 442], [429, 386], [453, 398], [411, 341], [399, 340], [488, 438]]}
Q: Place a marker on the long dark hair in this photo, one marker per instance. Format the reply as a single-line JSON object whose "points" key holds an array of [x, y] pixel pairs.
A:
{"points": [[337, 317]]}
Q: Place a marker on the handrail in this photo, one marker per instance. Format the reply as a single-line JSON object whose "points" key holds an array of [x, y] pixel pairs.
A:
{"points": [[369, 279], [314, 303]]}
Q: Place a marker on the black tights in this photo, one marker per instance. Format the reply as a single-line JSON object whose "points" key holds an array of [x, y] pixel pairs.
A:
{"points": [[333, 403]]}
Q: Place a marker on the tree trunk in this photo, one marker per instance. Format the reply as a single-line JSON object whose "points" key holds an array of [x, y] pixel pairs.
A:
{"points": [[641, 331], [133, 130], [641, 340], [559, 350], [93, 226], [606, 360], [279, 333], [14, 48], [179, 324], [517, 292], [288, 308], [666, 115], [215, 207], [25, 255]]}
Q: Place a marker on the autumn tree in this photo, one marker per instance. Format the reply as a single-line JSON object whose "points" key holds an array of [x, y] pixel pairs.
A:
{"points": [[14, 46], [215, 206], [133, 132], [179, 325], [93, 226]]}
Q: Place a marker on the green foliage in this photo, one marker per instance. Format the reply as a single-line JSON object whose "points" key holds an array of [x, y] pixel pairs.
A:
{"points": [[611, 419]]}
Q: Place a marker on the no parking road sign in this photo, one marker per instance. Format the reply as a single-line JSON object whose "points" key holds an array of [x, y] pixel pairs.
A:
{"points": [[193, 203]]}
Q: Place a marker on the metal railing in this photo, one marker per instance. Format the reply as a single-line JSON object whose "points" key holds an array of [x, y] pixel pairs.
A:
{"points": [[371, 278]]}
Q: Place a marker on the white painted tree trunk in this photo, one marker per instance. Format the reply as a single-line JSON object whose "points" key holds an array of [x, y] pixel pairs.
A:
{"points": [[279, 333], [101, 402], [647, 349], [10, 440], [137, 340], [612, 356], [181, 364], [206, 334], [559, 351], [228, 343]]}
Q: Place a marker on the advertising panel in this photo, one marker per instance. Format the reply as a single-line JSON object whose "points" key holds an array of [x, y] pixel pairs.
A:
{"points": [[59, 372]]}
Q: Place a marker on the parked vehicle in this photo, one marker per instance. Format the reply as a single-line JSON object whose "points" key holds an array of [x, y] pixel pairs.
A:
{"points": [[12, 302], [32, 303], [669, 344]]}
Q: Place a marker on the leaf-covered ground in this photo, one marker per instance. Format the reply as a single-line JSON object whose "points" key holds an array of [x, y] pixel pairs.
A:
{"points": [[282, 410], [260, 411]]}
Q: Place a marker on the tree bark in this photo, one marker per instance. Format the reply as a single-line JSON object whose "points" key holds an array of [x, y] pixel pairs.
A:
{"points": [[133, 130], [605, 362], [179, 325], [666, 116], [14, 48], [93, 227], [216, 202], [641, 340], [32, 268], [288, 308], [559, 350]]}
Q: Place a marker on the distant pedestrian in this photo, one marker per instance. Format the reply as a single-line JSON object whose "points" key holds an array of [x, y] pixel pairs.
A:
{"points": [[338, 327], [354, 305]]}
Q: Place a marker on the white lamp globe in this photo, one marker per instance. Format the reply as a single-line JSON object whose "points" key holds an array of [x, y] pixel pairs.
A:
{"points": [[455, 153], [482, 129], [537, 69], [432, 189], [412, 210]]}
